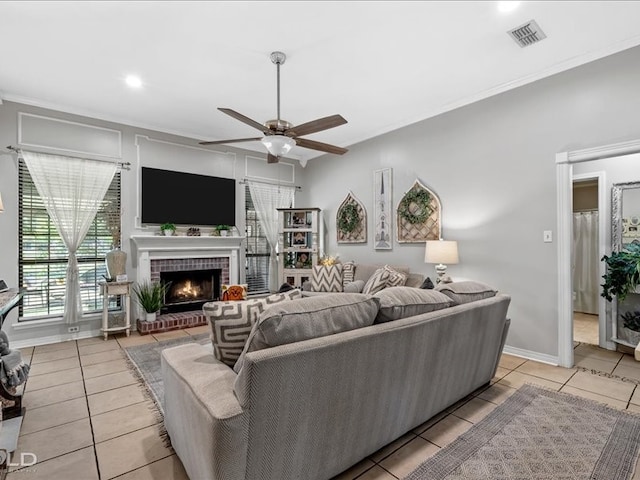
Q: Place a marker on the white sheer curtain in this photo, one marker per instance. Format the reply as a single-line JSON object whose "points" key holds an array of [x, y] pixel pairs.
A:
{"points": [[586, 283], [266, 198], [72, 190]]}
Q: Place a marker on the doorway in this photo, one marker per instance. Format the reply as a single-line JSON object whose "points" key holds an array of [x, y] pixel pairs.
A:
{"points": [[585, 261]]}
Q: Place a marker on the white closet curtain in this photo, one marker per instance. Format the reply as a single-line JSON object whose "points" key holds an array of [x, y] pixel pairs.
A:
{"points": [[266, 198], [72, 190], [586, 284]]}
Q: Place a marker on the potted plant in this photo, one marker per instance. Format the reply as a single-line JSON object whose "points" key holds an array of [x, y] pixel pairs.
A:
{"points": [[631, 323], [223, 229], [150, 297], [623, 272], [168, 229]]}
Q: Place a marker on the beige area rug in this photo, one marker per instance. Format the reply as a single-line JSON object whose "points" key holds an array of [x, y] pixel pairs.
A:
{"points": [[540, 434]]}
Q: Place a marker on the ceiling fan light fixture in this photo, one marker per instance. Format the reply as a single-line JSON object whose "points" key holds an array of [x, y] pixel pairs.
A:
{"points": [[278, 145]]}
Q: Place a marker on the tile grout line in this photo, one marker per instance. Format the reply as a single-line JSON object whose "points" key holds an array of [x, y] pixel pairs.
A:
{"points": [[93, 437]]}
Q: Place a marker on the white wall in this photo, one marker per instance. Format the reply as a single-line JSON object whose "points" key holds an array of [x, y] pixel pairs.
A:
{"points": [[493, 165], [140, 148]]}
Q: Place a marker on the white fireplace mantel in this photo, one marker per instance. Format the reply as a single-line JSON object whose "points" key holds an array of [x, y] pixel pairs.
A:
{"points": [[147, 247]]}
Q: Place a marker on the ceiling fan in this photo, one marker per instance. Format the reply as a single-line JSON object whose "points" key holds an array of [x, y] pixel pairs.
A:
{"points": [[280, 135]]}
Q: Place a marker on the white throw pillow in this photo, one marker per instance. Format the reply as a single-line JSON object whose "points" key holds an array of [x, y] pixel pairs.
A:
{"points": [[326, 278]]}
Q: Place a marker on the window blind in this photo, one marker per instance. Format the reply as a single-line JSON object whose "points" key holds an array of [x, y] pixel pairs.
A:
{"points": [[257, 250]]}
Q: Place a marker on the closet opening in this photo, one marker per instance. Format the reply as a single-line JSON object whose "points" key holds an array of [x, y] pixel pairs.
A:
{"points": [[585, 262]]}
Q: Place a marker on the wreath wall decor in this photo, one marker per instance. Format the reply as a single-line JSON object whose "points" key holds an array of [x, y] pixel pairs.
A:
{"points": [[349, 218], [415, 206], [419, 215], [351, 221]]}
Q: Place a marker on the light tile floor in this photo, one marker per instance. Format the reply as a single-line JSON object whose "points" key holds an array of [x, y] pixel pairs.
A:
{"points": [[90, 420], [585, 328]]}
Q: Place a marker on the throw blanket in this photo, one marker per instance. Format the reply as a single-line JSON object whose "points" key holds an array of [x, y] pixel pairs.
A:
{"points": [[13, 371]]}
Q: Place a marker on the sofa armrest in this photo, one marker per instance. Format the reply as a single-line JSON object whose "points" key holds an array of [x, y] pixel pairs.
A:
{"points": [[207, 426]]}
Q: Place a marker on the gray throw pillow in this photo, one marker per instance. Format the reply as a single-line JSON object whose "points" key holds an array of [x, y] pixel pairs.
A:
{"points": [[231, 322], [348, 273], [310, 317], [402, 302], [377, 281], [467, 291]]}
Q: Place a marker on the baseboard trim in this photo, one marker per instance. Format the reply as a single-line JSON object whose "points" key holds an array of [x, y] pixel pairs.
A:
{"points": [[531, 355], [55, 339]]}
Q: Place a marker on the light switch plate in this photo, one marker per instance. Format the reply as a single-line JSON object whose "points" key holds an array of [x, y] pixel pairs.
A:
{"points": [[547, 236]]}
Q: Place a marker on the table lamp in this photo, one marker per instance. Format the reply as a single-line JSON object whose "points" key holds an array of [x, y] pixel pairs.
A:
{"points": [[441, 252]]}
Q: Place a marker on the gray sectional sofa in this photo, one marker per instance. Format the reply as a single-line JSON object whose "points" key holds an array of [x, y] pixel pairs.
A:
{"points": [[311, 409]]}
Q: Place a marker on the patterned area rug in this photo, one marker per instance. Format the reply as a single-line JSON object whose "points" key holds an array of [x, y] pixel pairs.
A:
{"points": [[540, 434], [145, 360]]}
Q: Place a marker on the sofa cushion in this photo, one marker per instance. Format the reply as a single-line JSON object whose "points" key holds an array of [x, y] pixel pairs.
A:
{"points": [[401, 302], [465, 292], [231, 322], [354, 287], [364, 271], [326, 278], [308, 318], [348, 273], [377, 281]]}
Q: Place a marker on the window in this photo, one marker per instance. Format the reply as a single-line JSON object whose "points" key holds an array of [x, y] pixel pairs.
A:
{"points": [[258, 251], [43, 257]]}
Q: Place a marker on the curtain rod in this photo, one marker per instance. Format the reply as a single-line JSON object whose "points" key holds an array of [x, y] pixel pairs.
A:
{"points": [[121, 165], [244, 181]]}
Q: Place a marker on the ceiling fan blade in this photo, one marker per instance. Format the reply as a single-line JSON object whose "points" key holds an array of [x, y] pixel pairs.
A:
{"points": [[323, 147], [316, 126], [272, 158], [244, 119], [237, 140]]}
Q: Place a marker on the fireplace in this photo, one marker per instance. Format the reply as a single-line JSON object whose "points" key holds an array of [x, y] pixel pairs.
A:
{"points": [[190, 289], [156, 255]]}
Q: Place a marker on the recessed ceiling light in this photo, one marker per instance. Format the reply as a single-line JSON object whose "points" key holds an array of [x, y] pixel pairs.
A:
{"points": [[133, 81], [506, 7]]}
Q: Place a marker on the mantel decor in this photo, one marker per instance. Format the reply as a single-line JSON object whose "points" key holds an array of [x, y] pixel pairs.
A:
{"points": [[351, 221], [419, 215]]}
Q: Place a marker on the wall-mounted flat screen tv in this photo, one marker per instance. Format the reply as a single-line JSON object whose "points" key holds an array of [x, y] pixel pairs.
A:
{"points": [[187, 198]]}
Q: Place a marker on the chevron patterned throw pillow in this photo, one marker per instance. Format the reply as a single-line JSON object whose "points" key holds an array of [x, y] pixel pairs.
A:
{"points": [[326, 278]]}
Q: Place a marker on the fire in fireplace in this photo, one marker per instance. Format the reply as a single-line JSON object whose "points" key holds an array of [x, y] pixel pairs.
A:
{"points": [[189, 290]]}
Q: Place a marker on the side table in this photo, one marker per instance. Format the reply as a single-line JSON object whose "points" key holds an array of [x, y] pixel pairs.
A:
{"points": [[116, 288]]}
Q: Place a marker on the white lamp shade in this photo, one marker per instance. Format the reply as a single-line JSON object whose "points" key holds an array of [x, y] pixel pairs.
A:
{"points": [[1, 205], [278, 145], [441, 251]]}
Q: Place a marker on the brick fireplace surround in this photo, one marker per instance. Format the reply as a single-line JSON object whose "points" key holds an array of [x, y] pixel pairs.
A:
{"points": [[155, 254]]}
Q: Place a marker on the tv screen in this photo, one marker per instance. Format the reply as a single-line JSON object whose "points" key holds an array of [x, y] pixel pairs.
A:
{"points": [[187, 198]]}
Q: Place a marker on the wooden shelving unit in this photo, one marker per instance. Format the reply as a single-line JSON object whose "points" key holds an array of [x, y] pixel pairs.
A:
{"points": [[299, 238]]}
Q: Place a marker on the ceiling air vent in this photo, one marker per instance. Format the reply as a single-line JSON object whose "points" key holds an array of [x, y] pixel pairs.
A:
{"points": [[527, 34]]}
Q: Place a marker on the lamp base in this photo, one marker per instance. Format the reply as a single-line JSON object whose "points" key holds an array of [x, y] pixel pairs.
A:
{"points": [[441, 270]]}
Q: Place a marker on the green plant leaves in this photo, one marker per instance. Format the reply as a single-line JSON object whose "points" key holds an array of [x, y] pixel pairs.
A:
{"points": [[623, 272]]}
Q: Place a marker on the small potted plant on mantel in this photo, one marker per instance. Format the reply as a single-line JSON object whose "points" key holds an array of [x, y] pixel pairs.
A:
{"points": [[168, 229], [150, 297], [223, 229]]}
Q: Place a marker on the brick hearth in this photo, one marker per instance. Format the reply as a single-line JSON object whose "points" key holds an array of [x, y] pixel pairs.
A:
{"points": [[176, 321], [172, 321]]}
